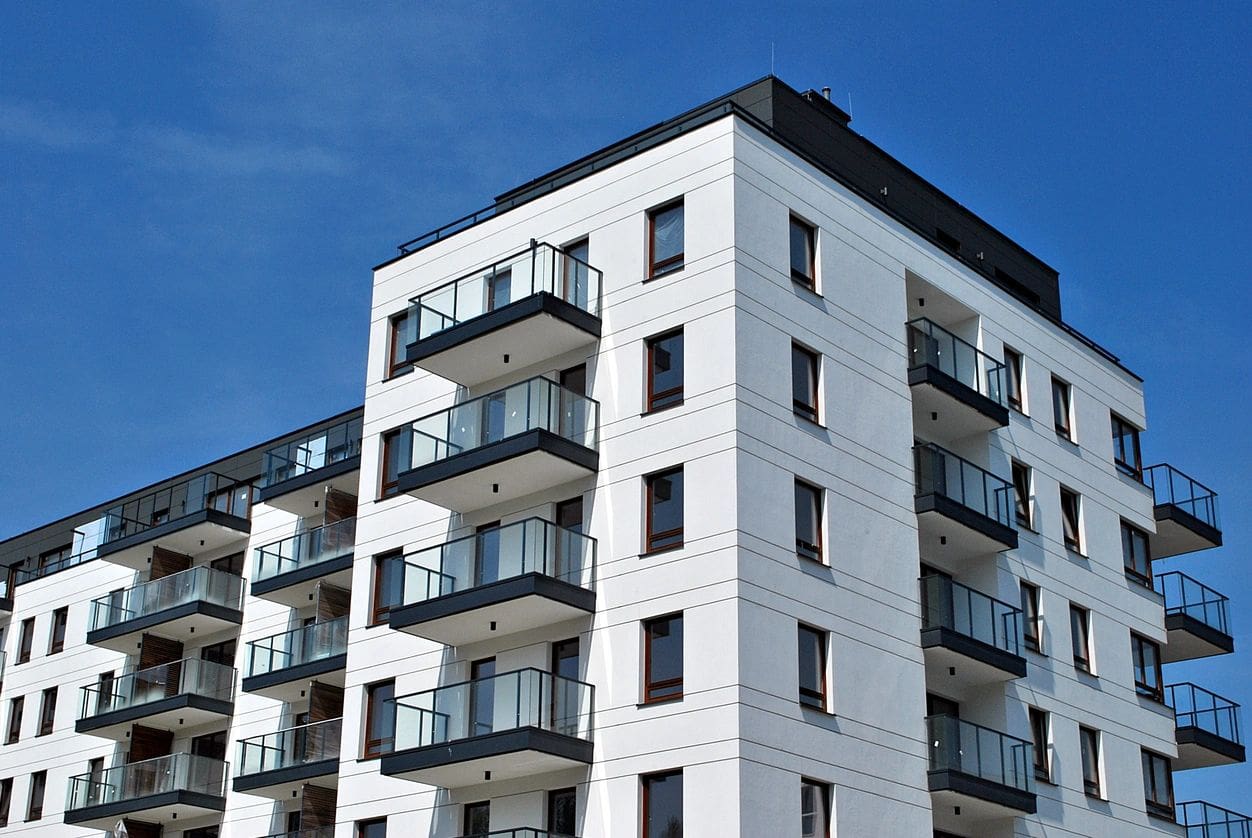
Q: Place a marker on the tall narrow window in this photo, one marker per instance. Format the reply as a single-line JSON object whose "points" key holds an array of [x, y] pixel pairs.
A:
{"points": [[1039, 740], [1146, 657], [665, 370], [1013, 379], [56, 642], [1061, 408], [397, 446], [576, 275], [400, 335], [14, 732], [665, 239], [811, 648], [388, 584], [803, 253], [1126, 455], [808, 521], [662, 805], [804, 382], [664, 510], [563, 812], [34, 807], [1158, 785], [47, 712], [1032, 622], [1080, 636], [1021, 494], [1071, 522], [814, 809], [1136, 558], [1089, 743], [376, 828], [25, 640], [6, 800], [663, 658], [478, 818], [380, 718]]}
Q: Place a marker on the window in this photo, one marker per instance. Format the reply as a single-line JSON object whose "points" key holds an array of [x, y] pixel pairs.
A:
{"points": [[56, 642], [804, 382], [576, 276], [1080, 636], [1021, 494], [665, 371], [1126, 454], [34, 808], [1146, 656], [1089, 742], [1013, 379], [213, 831], [400, 335], [662, 805], [396, 458], [55, 557], [6, 798], [380, 718], [388, 585], [663, 659], [563, 812], [25, 640], [811, 649], [803, 253], [808, 521], [1039, 738], [1032, 622], [232, 564], [665, 239], [47, 711], [14, 732], [814, 809], [1136, 559], [477, 818], [1071, 504], [664, 510], [372, 829], [947, 240], [1061, 408], [1158, 785]]}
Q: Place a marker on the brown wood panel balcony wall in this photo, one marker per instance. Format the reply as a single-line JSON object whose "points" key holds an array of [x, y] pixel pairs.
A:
{"points": [[325, 702], [317, 807], [154, 651], [332, 602], [167, 562], [149, 743], [339, 505]]}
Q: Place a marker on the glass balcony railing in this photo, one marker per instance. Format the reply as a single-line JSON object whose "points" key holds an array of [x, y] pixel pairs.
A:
{"points": [[1171, 486], [1204, 820], [524, 832], [8, 577], [205, 491], [958, 745], [539, 268], [523, 698], [304, 549], [951, 605], [311, 832], [136, 780], [197, 584], [932, 345], [530, 546], [940, 472], [289, 748], [306, 644], [1197, 707], [536, 404], [1184, 595], [188, 676], [309, 453]]}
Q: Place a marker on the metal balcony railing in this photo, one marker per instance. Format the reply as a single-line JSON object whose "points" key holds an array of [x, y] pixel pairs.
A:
{"points": [[1204, 820], [205, 491], [136, 780], [940, 472], [311, 832], [197, 584], [144, 686], [289, 748], [1171, 486], [1184, 595], [298, 646], [313, 451], [304, 549], [951, 605], [932, 345], [1197, 707], [958, 745], [522, 832]]}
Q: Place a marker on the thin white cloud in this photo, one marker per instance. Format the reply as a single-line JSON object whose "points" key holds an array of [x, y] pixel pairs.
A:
{"points": [[177, 148], [50, 126]]}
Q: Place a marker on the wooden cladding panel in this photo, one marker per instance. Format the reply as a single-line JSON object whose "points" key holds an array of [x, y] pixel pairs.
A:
{"points": [[325, 702], [339, 505], [317, 807], [154, 651], [148, 743], [332, 602], [167, 562]]}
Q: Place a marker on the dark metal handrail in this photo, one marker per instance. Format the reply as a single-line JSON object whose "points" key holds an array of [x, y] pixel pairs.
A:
{"points": [[1171, 486], [1184, 595], [313, 451], [1197, 707]]}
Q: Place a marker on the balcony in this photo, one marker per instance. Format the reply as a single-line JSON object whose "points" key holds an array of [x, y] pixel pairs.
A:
{"points": [[1185, 512], [987, 774], [173, 696], [298, 473], [969, 639], [521, 832], [513, 725], [1204, 820], [164, 790], [962, 510], [194, 603], [8, 581], [500, 581], [1208, 727], [1196, 617], [957, 389], [526, 308], [282, 666], [276, 765], [523, 439], [207, 512], [287, 571]]}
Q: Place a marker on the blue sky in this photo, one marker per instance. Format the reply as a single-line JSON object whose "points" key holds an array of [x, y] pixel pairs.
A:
{"points": [[192, 196]]}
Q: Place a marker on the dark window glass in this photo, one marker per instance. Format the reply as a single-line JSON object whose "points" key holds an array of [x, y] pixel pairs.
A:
{"points": [[372, 829], [665, 370], [1039, 738], [401, 335], [803, 251], [814, 809], [104, 692], [388, 585], [663, 805], [223, 653], [1158, 784], [477, 818], [1013, 378], [380, 719], [60, 618], [663, 658], [16, 707], [812, 666], [562, 812], [665, 239], [1080, 638], [1032, 626], [664, 510], [6, 799], [576, 275], [804, 382], [1021, 494], [1126, 454], [1061, 408], [1070, 520], [232, 564], [1146, 656], [396, 458], [948, 240], [499, 288], [34, 808], [1089, 742], [25, 640], [55, 556], [47, 711], [482, 697], [215, 832], [211, 745], [808, 521], [1136, 558]]}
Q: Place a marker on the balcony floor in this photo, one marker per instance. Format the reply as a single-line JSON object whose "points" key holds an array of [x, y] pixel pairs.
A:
{"points": [[177, 713], [1198, 748], [1178, 532], [295, 587], [508, 755], [979, 801], [199, 532], [292, 683], [285, 783], [1189, 638], [944, 409], [950, 534], [976, 664], [166, 808], [184, 622], [301, 495]]}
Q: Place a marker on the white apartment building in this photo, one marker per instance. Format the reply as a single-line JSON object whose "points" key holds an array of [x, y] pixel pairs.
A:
{"points": [[731, 480]]}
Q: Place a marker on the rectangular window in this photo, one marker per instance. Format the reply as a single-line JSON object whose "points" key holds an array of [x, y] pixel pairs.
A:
{"points": [[47, 712], [804, 253], [14, 732], [804, 382], [1080, 636], [1013, 379], [1126, 455], [662, 805], [563, 812], [1146, 657], [396, 458], [1071, 522], [665, 370], [34, 808], [1158, 785], [56, 642], [232, 564], [1039, 738], [808, 521], [665, 239], [388, 585], [948, 240], [6, 799], [1136, 558], [376, 828], [398, 338], [814, 809], [25, 640], [1061, 408], [1032, 622], [477, 818], [811, 649], [1021, 494], [1089, 742], [380, 718], [664, 503], [663, 658]]}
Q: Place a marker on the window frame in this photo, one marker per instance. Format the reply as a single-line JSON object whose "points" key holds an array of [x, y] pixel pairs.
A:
{"points": [[1032, 617], [1130, 469], [1091, 785], [397, 348], [390, 442], [651, 395], [1130, 535], [1040, 734], [817, 500], [1071, 505], [550, 807], [1014, 380], [645, 787], [380, 612], [651, 537], [374, 748], [6, 800], [1145, 671], [25, 640], [815, 699], [1151, 761], [361, 827], [56, 632], [13, 729], [38, 780], [649, 685], [1023, 494], [670, 264], [822, 790], [1080, 642], [47, 712], [1063, 408], [811, 412], [808, 280]]}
